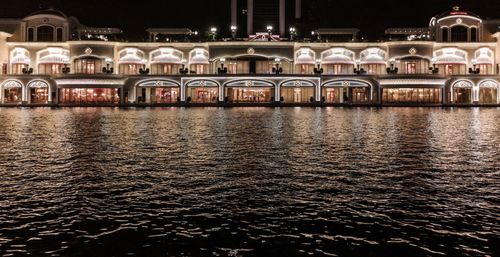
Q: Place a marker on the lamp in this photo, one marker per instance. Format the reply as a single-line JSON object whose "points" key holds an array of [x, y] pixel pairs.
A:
{"points": [[433, 68], [233, 31], [358, 70], [213, 33], [65, 69], [222, 69], [27, 69], [107, 69], [292, 33], [277, 70], [318, 70], [391, 69], [474, 70], [183, 70], [144, 70], [270, 32]]}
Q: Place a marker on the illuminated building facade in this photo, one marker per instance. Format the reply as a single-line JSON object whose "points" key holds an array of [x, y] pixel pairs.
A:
{"points": [[48, 58]]}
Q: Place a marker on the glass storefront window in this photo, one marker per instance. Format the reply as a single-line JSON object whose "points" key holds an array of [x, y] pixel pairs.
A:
{"points": [[462, 95], [488, 95], [374, 68], [297, 94], [411, 96], [452, 69], [413, 66], [337, 68], [39, 95], [203, 94], [333, 95], [50, 68], [199, 69], [88, 66], [17, 69], [304, 69], [249, 94], [157, 95], [13, 95], [89, 95], [129, 69], [165, 69], [166, 95]]}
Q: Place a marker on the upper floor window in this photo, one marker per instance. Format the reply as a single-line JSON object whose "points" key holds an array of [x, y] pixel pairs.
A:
{"points": [[59, 34], [31, 34], [45, 33], [444, 34], [459, 34], [473, 35]]}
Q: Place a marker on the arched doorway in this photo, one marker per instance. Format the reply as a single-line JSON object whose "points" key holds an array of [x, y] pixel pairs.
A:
{"points": [[347, 91], [297, 91], [202, 91], [462, 92], [488, 92], [249, 91], [12, 92], [158, 91], [38, 92]]}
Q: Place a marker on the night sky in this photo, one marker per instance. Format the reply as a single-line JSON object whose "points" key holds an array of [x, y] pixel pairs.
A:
{"points": [[372, 17]]}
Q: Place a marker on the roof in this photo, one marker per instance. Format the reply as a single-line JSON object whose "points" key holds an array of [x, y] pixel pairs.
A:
{"points": [[337, 31], [48, 12], [170, 31], [456, 11]]}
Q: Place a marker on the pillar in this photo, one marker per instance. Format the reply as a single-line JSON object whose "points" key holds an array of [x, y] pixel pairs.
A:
{"points": [[250, 17], [298, 9], [234, 13], [282, 18]]}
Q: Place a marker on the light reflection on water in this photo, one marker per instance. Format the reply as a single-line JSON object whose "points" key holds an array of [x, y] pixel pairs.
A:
{"points": [[250, 182]]}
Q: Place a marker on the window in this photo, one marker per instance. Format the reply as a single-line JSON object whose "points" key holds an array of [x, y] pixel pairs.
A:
{"points": [[59, 35], [473, 35], [88, 66], [45, 33], [459, 34], [411, 68], [444, 34], [31, 34], [50, 68], [448, 69]]}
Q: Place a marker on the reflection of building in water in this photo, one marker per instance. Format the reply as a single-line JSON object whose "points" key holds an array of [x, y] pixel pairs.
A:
{"points": [[50, 58]]}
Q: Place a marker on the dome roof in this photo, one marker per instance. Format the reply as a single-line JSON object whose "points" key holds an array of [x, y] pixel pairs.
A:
{"points": [[456, 11], [48, 12]]}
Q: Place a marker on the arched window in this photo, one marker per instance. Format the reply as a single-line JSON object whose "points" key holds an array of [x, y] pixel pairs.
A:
{"points": [[459, 34], [444, 35], [59, 34], [31, 34], [45, 33], [473, 34]]}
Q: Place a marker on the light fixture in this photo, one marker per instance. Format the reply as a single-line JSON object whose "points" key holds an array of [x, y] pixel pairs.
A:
{"points": [[391, 69], [358, 70], [318, 70], [474, 70], [292, 33], [183, 70], [433, 68], [222, 69], [213, 33], [233, 31], [277, 70]]}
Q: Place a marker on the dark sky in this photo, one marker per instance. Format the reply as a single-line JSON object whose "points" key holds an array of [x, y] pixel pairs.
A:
{"points": [[372, 17]]}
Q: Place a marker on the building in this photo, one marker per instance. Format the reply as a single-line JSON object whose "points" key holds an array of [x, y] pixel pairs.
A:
{"points": [[48, 58]]}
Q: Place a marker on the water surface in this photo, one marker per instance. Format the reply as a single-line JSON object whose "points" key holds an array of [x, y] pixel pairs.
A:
{"points": [[250, 182]]}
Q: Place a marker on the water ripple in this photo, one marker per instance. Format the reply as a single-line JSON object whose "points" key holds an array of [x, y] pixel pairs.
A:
{"points": [[249, 182]]}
